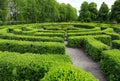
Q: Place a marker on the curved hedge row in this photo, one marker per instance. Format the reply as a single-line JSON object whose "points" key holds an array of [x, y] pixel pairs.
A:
{"points": [[68, 73], [84, 30], [116, 44], [94, 48], [110, 64], [32, 47], [28, 67]]}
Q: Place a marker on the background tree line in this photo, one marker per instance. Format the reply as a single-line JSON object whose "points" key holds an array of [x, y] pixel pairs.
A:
{"points": [[32, 11], [89, 12]]}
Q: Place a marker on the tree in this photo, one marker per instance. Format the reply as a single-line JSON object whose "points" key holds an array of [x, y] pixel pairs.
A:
{"points": [[115, 11], [3, 10], [93, 11], [71, 13], [84, 14], [103, 13]]}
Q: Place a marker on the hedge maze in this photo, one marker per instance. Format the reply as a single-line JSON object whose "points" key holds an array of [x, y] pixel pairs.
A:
{"points": [[37, 52]]}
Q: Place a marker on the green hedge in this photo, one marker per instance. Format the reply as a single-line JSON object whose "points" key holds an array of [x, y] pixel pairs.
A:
{"points": [[84, 30], [28, 67], [31, 38], [78, 41], [116, 44], [32, 47], [86, 33], [114, 36], [50, 34], [110, 64], [52, 31], [116, 29], [94, 48], [84, 26], [68, 73]]}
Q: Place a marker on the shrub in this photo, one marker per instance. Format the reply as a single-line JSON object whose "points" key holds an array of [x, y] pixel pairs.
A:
{"points": [[116, 44], [78, 41], [110, 64], [108, 30], [84, 30], [84, 26], [50, 34], [27, 67], [32, 47], [31, 38], [114, 36], [94, 48], [86, 33], [68, 73]]}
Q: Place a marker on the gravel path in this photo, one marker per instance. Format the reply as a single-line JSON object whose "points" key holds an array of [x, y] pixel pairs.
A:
{"points": [[82, 60]]}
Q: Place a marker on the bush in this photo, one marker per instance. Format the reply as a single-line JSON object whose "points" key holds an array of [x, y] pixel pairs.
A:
{"points": [[32, 47], [116, 44], [94, 48], [114, 36], [116, 29], [78, 41], [84, 30], [110, 64], [31, 38], [27, 67], [84, 26], [86, 33], [68, 73], [51, 31], [50, 34]]}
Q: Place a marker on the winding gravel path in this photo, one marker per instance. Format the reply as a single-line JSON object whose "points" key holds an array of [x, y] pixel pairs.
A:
{"points": [[82, 60]]}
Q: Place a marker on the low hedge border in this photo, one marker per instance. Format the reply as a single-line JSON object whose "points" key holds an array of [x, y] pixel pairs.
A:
{"points": [[68, 73], [32, 47], [110, 64], [77, 41], [94, 48], [28, 67], [31, 38], [116, 44]]}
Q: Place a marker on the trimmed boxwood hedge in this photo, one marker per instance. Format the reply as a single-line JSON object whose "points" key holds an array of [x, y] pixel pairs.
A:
{"points": [[28, 67], [32, 47], [114, 36], [84, 30], [85, 33], [78, 41], [110, 64], [68, 73], [94, 48], [50, 34], [31, 38], [116, 44]]}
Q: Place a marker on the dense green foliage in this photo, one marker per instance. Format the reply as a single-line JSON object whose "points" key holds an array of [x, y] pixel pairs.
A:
{"points": [[32, 47], [28, 67], [78, 41], [31, 11], [31, 38], [103, 13], [94, 48], [116, 44], [68, 73], [110, 64], [115, 11]]}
